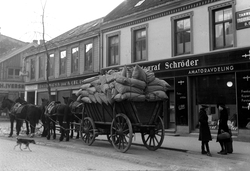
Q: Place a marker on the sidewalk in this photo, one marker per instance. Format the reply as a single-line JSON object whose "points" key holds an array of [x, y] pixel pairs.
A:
{"points": [[182, 143]]}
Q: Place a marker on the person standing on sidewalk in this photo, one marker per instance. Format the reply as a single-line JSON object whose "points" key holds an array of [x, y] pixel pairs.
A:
{"points": [[204, 134], [223, 127]]}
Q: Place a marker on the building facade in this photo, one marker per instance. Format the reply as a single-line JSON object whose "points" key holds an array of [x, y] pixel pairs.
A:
{"points": [[11, 83], [200, 48], [73, 57]]}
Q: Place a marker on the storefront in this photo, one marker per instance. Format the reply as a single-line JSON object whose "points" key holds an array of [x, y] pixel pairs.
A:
{"points": [[10, 90], [61, 88], [211, 78]]}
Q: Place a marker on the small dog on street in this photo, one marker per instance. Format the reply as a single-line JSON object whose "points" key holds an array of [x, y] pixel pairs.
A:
{"points": [[24, 141]]}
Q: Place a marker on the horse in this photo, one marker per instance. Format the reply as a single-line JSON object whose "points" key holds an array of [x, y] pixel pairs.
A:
{"points": [[22, 111], [58, 112], [76, 108], [34, 114]]}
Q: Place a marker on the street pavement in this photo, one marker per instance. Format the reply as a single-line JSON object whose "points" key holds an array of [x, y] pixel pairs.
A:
{"points": [[183, 143]]}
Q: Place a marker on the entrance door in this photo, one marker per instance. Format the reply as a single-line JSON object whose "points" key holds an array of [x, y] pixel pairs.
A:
{"points": [[31, 97]]}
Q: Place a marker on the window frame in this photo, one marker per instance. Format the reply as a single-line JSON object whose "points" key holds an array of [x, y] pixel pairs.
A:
{"points": [[72, 60], [52, 65], [174, 20], [13, 76], [212, 10], [32, 73], [108, 51], [133, 43], [60, 62], [41, 67], [85, 57]]}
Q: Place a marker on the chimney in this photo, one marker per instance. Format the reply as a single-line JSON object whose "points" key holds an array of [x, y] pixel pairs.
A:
{"points": [[35, 41], [41, 41]]}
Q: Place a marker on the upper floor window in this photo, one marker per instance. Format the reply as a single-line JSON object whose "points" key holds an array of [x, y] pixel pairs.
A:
{"points": [[41, 66], [32, 68], [62, 62], [222, 26], [113, 50], [74, 59], [13, 73], [88, 62], [182, 34], [51, 64], [139, 43]]}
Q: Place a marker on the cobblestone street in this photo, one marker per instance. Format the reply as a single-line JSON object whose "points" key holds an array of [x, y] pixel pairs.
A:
{"points": [[56, 159]]}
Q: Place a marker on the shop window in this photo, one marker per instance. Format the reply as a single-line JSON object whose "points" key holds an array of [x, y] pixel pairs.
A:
{"points": [[41, 66], [139, 43], [88, 62], [222, 26], [32, 68], [211, 90], [13, 73], [62, 61], [113, 49], [51, 64], [182, 34], [75, 60]]}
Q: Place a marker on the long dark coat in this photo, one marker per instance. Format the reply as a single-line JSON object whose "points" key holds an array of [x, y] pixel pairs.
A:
{"points": [[223, 122], [205, 134]]}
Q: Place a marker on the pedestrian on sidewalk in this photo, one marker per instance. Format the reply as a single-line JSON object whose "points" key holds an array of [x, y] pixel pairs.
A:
{"points": [[204, 134], [223, 135]]}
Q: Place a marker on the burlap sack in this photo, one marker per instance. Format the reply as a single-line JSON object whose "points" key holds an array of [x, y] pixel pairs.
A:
{"points": [[131, 82], [124, 88], [86, 100], [85, 86], [139, 73], [133, 97], [92, 98], [91, 79], [150, 89]]}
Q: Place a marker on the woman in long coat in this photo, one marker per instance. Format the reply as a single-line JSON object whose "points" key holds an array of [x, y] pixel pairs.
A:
{"points": [[223, 127], [204, 134]]}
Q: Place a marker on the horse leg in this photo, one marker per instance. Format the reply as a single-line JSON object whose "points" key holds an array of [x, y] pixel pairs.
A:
{"points": [[48, 129], [32, 129], [62, 130], [54, 130], [78, 128], [67, 131], [11, 125], [18, 126], [72, 129], [27, 128]]}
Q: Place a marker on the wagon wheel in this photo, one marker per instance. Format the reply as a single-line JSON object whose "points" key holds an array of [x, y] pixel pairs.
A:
{"points": [[121, 133], [88, 131], [152, 138]]}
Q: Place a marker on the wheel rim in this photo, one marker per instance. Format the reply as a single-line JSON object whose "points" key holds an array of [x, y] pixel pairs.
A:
{"points": [[121, 133], [153, 138], [88, 131]]}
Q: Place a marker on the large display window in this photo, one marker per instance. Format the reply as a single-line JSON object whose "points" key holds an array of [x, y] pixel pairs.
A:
{"points": [[211, 90]]}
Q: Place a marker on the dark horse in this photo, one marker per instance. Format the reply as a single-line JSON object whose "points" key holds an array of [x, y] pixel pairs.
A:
{"points": [[23, 112], [57, 112], [76, 108]]}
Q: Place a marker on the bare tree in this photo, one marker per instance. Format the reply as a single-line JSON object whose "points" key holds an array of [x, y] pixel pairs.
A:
{"points": [[47, 53]]}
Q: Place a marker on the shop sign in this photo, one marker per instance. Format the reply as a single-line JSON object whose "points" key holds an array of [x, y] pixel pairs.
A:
{"points": [[11, 86], [209, 70], [62, 83], [243, 19]]}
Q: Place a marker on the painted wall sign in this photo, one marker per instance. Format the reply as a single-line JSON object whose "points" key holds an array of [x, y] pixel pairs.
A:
{"points": [[243, 19], [62, 83], [11, 86]]}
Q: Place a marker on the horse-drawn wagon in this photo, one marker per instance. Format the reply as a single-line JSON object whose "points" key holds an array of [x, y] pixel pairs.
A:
{"points": [[121, 120]]}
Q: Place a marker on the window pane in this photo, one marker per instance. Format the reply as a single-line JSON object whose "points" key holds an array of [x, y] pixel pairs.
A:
{"points": [[219, 35], [17, 72], [74, 60], [229, 34], [187, 23], [88, 57], [52, 65], [180, 25], [219, 16], [179, 42], [63, 62], [10, 73], [41, 67], [227, 14], [32, 69]]}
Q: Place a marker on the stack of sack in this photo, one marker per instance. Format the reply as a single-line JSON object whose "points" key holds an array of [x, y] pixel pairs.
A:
{"points": [[134, 84]]}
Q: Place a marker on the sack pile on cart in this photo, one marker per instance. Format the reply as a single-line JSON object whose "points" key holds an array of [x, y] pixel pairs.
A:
{"points": [[134, 84]]}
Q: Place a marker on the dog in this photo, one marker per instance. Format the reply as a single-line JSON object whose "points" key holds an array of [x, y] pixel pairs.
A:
{"points": [[24, 141]]}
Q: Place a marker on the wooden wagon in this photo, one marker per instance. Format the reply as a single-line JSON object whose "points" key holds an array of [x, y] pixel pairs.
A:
{"points": [[121, 120]]}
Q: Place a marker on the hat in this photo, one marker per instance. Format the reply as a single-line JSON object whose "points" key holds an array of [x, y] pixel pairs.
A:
{"points": [[204, 106], [221, 104]]}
